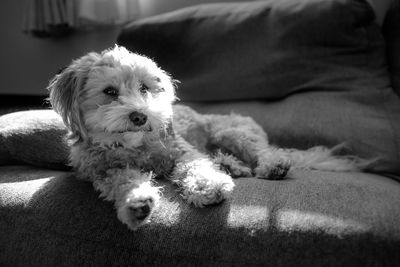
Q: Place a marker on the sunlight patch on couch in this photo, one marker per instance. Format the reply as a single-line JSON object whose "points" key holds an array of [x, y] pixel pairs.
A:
{"points": [[295, 220], [252, 217], [21, 192]]}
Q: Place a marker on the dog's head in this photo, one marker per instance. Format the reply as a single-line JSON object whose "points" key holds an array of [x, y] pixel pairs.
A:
{"points": [[113, 93]]}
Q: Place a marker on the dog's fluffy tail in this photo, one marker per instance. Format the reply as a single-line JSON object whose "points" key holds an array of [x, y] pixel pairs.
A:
{"points": [[325, 159]]}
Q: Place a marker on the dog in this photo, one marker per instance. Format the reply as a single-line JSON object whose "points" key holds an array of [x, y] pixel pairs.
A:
{"points": [[125, 130]]}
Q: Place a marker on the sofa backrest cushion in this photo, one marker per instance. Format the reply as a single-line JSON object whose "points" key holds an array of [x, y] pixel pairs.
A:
{"points": [[265, 49]]}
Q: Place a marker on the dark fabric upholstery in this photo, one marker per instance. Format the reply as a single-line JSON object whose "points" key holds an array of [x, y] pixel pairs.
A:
{"points": [[49, 218], [323, 118], [36, 137], [265, 49], [391, 30]]}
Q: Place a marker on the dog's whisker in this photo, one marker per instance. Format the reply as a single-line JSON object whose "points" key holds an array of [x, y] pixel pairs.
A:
{"points": [[162, 144], [165, 134], [126, 126]]}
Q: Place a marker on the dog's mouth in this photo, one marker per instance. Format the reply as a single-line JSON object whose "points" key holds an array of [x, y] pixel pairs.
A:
{"points": [[146, 128]]}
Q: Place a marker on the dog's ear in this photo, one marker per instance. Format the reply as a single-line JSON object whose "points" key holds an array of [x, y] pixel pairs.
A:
{"points": [[65, 90]]}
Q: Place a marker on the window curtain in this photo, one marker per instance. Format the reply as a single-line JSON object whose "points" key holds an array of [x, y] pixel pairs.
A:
{"points": [[55, 18], [108, 11]]}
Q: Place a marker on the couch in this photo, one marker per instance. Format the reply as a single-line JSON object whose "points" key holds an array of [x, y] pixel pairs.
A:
{"points": [[311, 72]]}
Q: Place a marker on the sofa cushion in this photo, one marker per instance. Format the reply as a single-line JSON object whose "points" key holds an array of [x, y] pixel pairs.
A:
{"points": [[49, 218], [265, 49], [322, 118], [36, 137]]}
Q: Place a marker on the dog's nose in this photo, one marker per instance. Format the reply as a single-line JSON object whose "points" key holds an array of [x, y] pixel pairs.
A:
{"points": [[139, 213], [138, 118]]}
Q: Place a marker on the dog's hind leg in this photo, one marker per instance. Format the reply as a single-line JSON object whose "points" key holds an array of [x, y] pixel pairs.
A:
{"points": [[231, 164], [245, 139]]}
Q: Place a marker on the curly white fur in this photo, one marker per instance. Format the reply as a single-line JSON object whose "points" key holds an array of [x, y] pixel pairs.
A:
{"points": [[124, 131]]}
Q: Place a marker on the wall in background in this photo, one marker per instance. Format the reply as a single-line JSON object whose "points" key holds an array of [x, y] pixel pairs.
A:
{"points": [[28, 63]]}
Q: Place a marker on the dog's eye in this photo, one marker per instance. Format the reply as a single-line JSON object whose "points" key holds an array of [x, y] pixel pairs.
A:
{"points": [[143, 88], [111, 91]]}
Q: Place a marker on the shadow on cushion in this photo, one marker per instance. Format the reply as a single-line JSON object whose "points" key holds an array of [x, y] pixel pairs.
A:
{"points": [[311, 219]]}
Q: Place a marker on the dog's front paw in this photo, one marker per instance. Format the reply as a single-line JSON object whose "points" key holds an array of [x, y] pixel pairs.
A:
{"points": [[210, 187], [136, 208], [276, 170]]}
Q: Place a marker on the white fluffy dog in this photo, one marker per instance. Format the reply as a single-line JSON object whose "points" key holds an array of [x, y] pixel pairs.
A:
{"points": [[124, 131]]}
